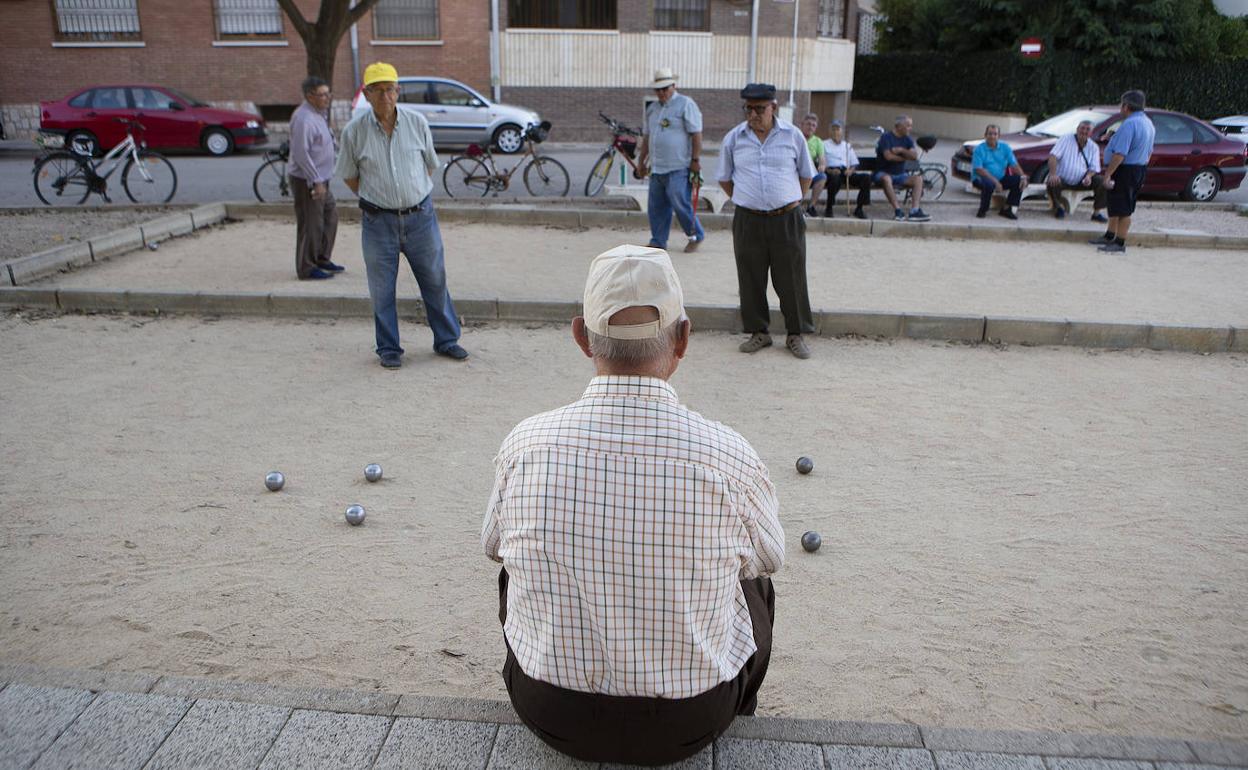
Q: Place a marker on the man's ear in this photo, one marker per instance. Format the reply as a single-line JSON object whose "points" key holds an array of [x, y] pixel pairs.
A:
{"points": [[682, 338], [581, 334]]}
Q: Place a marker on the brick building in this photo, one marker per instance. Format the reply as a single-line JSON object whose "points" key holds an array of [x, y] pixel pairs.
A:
{"points": [[567, 59]]}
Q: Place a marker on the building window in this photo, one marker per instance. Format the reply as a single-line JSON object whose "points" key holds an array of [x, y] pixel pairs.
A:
{"points": [[247, 18], [562, 14], [96, 20], [405, 20], [831, 18], [682, 15]]}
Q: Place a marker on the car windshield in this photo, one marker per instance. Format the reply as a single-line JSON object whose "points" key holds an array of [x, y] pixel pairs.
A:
{"points": [[187, 98], [1060, 125]]}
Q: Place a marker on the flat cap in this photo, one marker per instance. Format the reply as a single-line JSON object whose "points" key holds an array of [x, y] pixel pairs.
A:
{"points": [[759, 91]]}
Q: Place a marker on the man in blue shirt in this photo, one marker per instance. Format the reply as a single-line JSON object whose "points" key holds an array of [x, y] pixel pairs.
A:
{"points": [[892, 151], [996, 170], [1128, 152], [672, 142]]}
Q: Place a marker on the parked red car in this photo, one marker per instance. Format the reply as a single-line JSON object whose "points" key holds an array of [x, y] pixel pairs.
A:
{"points": [[88, 119], [1190, 157]]}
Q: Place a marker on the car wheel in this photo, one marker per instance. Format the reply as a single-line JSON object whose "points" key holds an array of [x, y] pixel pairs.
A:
{"points": [[217, 141], [82, 143], [1203, 186], [509, 139]]}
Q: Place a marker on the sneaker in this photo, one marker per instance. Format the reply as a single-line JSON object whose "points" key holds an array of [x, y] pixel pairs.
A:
{"points": [[693, 244], [391, 361], [981, 213], [317, 274], [1008, 214], [1099, 217], [454, 351], [1060, 212], [756, 342], [899, 215], [1102, 240], [797, 346], [859, 214], [1113, 248], [917, 215], [331, 267]]}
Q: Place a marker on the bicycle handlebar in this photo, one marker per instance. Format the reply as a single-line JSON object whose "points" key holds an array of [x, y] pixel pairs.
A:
{"points": [[131, 123], [617, 126]]}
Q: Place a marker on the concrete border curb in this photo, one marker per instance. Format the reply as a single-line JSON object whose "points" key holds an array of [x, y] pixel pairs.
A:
{"points": [[726, 318], [32, 267], [567, 217], [780, 729]]}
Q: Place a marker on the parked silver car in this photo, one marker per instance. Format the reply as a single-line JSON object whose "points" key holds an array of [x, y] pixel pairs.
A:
{"points": [[458, 115], [1234, 126]]}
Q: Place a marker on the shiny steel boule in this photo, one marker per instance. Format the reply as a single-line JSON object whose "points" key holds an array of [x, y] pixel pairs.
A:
{"points": [[275, 481], [805, 465], [811, 541], [355, 515], [372, 472]]}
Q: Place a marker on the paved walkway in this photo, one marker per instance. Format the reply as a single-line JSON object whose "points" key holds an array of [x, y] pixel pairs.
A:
{"points": [[60, 718]]}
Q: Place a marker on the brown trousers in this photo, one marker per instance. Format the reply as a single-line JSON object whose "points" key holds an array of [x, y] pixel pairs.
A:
{"points": [[316, 227], [775, 244], [639, 730], [1099, 193]]}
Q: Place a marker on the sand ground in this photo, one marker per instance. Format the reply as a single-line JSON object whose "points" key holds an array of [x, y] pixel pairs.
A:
{"points": [[1057, 280], [1013, 538]]}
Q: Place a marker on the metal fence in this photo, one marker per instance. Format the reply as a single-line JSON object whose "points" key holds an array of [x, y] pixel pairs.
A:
{"points": [[96, 20], [406, 20], [831, 18]]}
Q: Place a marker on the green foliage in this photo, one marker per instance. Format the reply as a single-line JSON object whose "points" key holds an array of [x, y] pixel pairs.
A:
{"points": [[1001, 81]]}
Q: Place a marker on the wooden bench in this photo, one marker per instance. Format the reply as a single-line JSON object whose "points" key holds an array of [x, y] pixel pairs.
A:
{"points": [[712, 194], [1072, 198]]}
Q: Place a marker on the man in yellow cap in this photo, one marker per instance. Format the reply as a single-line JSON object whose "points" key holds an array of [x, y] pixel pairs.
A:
{"points": [[388, 160]]}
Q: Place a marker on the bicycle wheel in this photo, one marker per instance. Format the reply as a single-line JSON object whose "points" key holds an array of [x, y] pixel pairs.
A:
{"points": [[598, 174], [466, 177], [62, 179], [546, 177], [934, 181], [151, 180], [270, 183]]}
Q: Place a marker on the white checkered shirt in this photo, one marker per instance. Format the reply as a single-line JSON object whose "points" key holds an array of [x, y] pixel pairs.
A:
{"points": [[626, 523]]}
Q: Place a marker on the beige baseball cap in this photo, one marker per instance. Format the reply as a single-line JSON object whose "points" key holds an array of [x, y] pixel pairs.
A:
{"points": [[632, 276]]}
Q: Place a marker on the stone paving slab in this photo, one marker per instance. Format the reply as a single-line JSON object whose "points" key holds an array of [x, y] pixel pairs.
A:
{"points": [[323, 739], [1220, 752], [31, 719], [220, 734], [118, 730], [739, 752], [436, 743], [318, 698], [825, 731], [961, 760], [1067, 763], [82, 679], [1056, 744], [465, 709], [877, 758], [515, 748]]}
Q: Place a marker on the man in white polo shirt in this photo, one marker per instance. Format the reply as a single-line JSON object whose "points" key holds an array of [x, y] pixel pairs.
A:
{"points": [[635, 537], [1075, 164]]}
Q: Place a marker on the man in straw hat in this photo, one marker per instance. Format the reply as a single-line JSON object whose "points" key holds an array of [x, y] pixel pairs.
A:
{"points": [[671, 140], [388, 160], [635, 537]]}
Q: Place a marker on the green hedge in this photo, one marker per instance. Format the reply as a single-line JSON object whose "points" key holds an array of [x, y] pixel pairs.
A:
{"points": [[1002, 81]]}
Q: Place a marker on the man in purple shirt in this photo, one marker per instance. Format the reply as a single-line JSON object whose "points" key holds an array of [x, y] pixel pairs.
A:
{"points": [[311, 167]]}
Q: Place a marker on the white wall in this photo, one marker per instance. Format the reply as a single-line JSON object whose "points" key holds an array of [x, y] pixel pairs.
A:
{"points": [[958, 124]]}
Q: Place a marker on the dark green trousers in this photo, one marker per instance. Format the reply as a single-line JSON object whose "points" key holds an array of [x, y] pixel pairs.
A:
{"points": [[775, 244]]}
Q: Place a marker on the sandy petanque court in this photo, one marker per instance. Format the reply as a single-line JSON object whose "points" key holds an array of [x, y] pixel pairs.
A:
{"points": [[1043, 538]]}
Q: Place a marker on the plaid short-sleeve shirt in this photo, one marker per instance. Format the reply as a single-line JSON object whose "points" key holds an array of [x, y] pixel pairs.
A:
{"points": [[626, 523]]}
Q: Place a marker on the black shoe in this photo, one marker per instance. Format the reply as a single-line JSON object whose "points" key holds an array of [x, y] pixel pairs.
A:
{"points": [[981, 213], [317, 274], [1060, 212], [1008, 214], [1101, 241], [811, 211], [455, 352], [1097, 217], [391, 361], [859, 213], [331, 267]]}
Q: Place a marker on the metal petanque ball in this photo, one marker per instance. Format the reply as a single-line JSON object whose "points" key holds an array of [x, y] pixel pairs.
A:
{"points": [[811, 541], [805, 465], [275, 481], [355, 515], [372, 472]]}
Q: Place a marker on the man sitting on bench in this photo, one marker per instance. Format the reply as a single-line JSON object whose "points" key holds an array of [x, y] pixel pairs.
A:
{"points": [[842, 162], [892, 152]]}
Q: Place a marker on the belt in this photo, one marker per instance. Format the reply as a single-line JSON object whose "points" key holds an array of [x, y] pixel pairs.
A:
{"points": [[773, 212], [373, 208]]}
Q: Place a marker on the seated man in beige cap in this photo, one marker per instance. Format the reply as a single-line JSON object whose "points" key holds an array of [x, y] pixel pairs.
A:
{"points": [[635, 537]]}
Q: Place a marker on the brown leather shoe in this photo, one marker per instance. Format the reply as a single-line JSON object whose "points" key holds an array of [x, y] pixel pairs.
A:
{"points": [[693, 245], [797, 346], [756, 342]]}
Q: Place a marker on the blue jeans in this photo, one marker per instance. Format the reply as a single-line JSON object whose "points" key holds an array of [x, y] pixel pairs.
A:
{"points": [[417, 236], [672, 193]]}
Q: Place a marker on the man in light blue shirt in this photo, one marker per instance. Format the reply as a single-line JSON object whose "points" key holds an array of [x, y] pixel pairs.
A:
{"points": [[765, 167], [672, 141], [1128, 151], [995, 170], [387, 159]]}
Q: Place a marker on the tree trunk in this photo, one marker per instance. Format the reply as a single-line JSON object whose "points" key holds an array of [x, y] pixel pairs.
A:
{"points": [[322, 50], [320, 38]]}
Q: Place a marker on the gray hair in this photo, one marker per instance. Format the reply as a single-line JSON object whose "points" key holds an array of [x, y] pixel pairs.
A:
{"points": [[811, 116], [1083, 123], [634, 351], [1134, 100], [311, 83], [897, 121]]}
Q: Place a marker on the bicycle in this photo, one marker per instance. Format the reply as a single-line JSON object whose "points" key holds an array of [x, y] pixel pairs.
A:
{"points": [[475, 175], [623, 141], [935, 177], [65, 178], [270, 182]]}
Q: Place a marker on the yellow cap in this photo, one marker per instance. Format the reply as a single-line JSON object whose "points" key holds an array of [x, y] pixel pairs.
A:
{"points": [[380, 72]]}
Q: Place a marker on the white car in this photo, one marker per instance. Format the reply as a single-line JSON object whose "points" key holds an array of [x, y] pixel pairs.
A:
{"points": [[458, 115], [1234, 126]]}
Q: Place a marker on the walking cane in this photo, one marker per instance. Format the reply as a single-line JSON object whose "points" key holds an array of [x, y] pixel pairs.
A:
{"points": [[695, 181]]}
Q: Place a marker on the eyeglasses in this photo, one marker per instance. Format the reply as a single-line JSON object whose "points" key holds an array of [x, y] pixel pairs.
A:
{"points": [[757, 109], [388, 90]]}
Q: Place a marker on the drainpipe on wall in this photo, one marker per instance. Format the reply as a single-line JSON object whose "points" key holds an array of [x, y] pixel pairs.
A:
{"points": [[496, 76], [753, 44], [797, 6], [355, 56]]}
